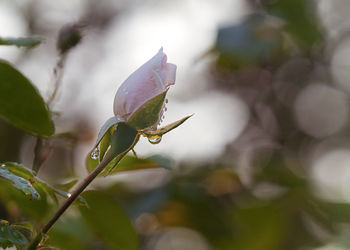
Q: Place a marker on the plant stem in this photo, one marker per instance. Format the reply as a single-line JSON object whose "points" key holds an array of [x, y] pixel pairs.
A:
{"points": [[36, 161], [127, 138], [78, 190], [58, 74]]}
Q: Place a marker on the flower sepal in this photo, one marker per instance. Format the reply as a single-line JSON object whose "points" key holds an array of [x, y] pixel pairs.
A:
{"points": [[158, 133], [148, 114]]}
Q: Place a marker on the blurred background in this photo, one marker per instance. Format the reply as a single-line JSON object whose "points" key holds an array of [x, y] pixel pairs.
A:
{"points": [[264, 163]]}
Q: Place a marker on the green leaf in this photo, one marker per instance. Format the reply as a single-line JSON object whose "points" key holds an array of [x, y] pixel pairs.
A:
{"points": [[25, 173], [67, 185], [71, 233], [131, 163], [301, 21], [20, 41], [109, 221], [266, 224], [255, 41], [337, 212], [19, 171], [21, 103], [148, 114], [10, 235], [26, 228], [163, 130], [20, 183]]}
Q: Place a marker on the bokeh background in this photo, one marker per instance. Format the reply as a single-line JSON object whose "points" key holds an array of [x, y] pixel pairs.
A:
{"points": [[264, 163]]}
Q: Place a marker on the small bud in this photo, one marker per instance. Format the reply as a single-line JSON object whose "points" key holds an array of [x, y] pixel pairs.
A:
{"points": [[68, 37]]}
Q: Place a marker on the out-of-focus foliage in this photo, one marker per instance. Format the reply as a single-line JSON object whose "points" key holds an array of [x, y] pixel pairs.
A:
{"points": [[10, 235], [100, 205], [21, 42], [69, 36], [257, 195], [21, 104]]}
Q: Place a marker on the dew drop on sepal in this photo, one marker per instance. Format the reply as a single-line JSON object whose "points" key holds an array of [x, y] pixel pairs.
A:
{"points": [[155, 139], [95, 153]]}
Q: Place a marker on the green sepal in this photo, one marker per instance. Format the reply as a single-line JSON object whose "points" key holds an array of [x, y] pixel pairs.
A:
{"points": [[106, 128], [163, 130], [121, 141], [122, 138], [148, 114], [131, 163]]}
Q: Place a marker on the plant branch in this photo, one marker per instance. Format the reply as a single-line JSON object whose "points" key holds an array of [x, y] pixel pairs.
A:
{"points": [[78, 190], [36, 161], [58, 74]]}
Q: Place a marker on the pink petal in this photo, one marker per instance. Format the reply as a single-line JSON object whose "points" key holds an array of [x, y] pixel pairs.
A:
{"points": [[148, 81]]}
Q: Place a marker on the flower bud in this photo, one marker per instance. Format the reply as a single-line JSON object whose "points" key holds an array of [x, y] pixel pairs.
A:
{"points": [[136, 99], [69, 36]]}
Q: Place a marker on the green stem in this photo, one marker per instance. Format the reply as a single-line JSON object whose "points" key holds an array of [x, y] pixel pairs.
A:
{"points": [[123, 140], [79, 189], [37, 150]]}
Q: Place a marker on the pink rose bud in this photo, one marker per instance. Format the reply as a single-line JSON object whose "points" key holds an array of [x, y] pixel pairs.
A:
{"points": [[150, 80]]}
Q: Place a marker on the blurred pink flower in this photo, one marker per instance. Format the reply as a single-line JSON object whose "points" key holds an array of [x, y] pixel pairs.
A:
{"points": [[150, 80]]}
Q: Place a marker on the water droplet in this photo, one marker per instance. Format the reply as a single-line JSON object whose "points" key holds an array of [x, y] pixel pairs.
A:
{"points": [[118, 118], [166, 100], [95, 154], [165, 109], [155, 139], [69, 195]]}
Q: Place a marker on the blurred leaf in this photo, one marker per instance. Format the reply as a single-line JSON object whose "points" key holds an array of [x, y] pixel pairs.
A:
{"points": [[257, 40], [259, 227], [70, 233], [27, 174], [38, 185], [163, 130], [300, 20], [20, 183], [26, 228], [10, 236], [161, 161], [338, 212], [48, 248], [37, 210], [21, 104], [130, 163], [21, 41], [80, 199], [67, 186], [148, 114], [277, 172], [109, 221]]}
